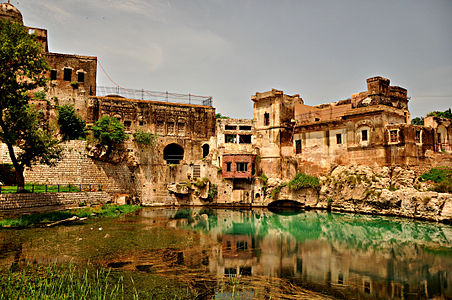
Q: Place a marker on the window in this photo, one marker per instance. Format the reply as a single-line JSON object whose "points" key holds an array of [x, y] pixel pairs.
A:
{"points": [[170, 128], [245, 139], [244, 127], [242, 167], [141, 123], [298, 146], [228, 245], [205, 150], [161, 127], [367, 287], [230, 127], [53, 74], [67, 74], [230, 271], [230, 138], [394, 136], [127, 124], [181, 128], [418, 136], [228, 166], [364, 136], [340, 278], [242, 246], [338, 138], [266, 119], [81, 76], [245, 271], [317, 119]]}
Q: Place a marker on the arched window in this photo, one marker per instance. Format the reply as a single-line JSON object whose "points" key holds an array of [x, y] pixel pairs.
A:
{"points": [[173, 154], [205, 150]]}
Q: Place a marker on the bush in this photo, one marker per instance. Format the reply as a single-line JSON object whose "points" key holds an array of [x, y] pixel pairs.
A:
{"points": [[145, 138], [302, 180], [109, 132], [442, 177], [72, 127]]}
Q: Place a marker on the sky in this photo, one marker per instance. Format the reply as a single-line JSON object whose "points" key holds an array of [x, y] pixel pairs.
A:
{"points": [[229, 49]]}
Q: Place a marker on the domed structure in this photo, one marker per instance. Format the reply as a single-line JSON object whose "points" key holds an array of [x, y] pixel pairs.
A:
{"points": [[10, 13]]}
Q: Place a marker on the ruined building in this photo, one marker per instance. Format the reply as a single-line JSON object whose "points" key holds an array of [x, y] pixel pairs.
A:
{"points": [[284, 137]]}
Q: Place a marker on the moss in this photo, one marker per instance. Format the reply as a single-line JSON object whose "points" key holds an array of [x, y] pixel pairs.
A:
{"points": [[442, 177]]}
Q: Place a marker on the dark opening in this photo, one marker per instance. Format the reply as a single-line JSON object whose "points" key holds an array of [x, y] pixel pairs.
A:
{"points": [[173, 154], [242, 167], [141, 123], [81, 77], [53, 74], [338, 138], [245, 139], [230, 138], [297, 146], [228, 166], [394, 136], [230, 271], [418, 136], [317, 119], [67, 74], [340, 278], [127, 124], [245, 271], [228, 245], [230, 127], [245, 127], [266, 119], [367, 287], [364, 135], [205, 150], [242, 245]]}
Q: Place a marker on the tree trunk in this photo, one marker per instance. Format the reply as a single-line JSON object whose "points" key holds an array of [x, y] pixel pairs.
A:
{"points": [[19, 169]]}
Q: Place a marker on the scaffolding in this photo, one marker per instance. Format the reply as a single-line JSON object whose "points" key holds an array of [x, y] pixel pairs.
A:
{"points": [[103, 91]]}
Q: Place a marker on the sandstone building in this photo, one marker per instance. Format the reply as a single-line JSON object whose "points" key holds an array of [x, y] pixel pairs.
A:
{"points": [[284, 137]]}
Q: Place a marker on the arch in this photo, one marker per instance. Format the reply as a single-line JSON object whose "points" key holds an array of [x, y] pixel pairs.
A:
{"points": [[286, 207], [205, 150], [173, 153]]}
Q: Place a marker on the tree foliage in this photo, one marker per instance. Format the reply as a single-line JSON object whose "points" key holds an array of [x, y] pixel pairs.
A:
{"points": [[442, 114], [145, 138], [109, 132], [417, 121], [22, 66], [72, 127]]}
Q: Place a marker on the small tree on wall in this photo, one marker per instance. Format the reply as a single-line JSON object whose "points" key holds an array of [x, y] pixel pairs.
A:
{"points": [[22, 67], [72, 127], [109, 132]]}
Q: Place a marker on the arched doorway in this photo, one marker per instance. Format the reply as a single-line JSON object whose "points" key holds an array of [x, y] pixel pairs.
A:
{"points": [[205, 150], [173, 154]]}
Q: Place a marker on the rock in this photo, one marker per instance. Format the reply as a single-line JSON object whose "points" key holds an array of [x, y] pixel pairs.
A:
{"points": [[273, 182], [178, 188]]}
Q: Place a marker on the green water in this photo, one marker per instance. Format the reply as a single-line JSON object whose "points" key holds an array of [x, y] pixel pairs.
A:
{"points": [[301, 255]]}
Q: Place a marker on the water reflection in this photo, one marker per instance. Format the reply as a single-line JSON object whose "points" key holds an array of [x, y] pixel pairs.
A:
{"points": [[344, 255]]}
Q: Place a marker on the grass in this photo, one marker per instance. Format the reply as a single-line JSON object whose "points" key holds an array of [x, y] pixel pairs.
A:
{"points": [[41, 188], [109, 210], [442, 177], [67, 281], [302, 180]]}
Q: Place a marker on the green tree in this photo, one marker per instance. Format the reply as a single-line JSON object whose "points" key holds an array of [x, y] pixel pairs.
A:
{"points": [[22, 66], [72, 127], [417, 121], [109, 132], [442, 114]]}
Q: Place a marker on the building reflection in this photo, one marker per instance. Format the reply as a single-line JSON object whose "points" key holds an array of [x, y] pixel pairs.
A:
{"points": [[255, 244]]}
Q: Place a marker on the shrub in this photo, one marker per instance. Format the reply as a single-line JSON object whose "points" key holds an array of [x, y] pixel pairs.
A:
{"points": [[436, 175], [264, 179], [302, 180], [40, 95], [145, 138], [109, 132], [72, 127]]}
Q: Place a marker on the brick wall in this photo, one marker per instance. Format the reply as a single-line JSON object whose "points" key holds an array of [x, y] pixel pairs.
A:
{"points": [[33, 203]]}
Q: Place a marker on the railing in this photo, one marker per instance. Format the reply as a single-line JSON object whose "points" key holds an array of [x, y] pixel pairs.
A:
{"points": [[51, 188], [103, 91]]}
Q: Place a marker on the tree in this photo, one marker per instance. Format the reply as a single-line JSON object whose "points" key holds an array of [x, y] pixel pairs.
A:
{"points": [[442, 114], [109, 132], [418, 121], [72, 127], [22, 67]]}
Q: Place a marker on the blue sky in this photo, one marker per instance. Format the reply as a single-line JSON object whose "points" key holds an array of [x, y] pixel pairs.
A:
{"points": [[321, 49]]}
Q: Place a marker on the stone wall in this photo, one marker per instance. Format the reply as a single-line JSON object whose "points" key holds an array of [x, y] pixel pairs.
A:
{"points": [[34, 203], [77, 168]]}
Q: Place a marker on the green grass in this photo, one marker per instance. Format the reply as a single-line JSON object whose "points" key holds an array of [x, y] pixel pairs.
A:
{"points": [[41, 188], [67, 281], [442, 177], [108, 210], [302, 180]]}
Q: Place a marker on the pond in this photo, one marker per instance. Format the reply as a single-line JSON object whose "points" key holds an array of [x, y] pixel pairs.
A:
{"points": [[292, 255]]}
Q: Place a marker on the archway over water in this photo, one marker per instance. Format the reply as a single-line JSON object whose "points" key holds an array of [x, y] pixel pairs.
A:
{"points": [[288, 206], [173, 154]]}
